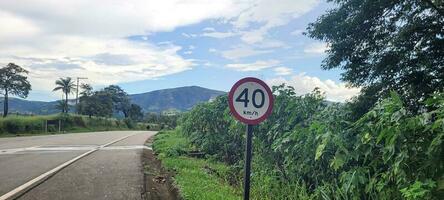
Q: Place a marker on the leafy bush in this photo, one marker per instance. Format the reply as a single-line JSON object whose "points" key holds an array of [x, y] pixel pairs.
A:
{"points": [[36, 124], [311, 149], [171, 144], [196, 178]]}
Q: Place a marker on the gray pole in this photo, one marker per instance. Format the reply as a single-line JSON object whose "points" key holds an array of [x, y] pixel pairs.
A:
{"points": [[248, 162], [77, 91]]}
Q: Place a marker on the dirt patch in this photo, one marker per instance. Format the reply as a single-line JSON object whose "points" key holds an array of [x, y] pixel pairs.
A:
{"points": [[158, 184]]}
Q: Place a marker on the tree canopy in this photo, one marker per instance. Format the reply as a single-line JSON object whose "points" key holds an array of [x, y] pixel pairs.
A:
{"points": [[385, 45], [13, 82], [120, 99], [106, 102]]}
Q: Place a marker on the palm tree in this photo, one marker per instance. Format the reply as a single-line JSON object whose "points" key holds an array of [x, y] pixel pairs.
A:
{"points": [[67, 86]]}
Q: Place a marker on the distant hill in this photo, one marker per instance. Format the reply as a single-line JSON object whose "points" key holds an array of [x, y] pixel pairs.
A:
{"points": [[181, 99], [29, 107]]}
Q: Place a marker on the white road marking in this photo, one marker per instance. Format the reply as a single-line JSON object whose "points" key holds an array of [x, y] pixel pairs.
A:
{"points": [[57, 149], [15, 150], [39, 179]]}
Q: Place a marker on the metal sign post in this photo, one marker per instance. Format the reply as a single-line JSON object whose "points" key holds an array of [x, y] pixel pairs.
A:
{"points": [[248, 162], [251, 102]]}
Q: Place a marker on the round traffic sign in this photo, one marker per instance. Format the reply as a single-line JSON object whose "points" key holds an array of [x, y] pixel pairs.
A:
{"points": [[250, 100]]}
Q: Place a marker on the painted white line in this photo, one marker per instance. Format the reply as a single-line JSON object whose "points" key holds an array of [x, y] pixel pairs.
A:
{"points": [[131, 147], [58, 149], [39, 179], [15, 150]]}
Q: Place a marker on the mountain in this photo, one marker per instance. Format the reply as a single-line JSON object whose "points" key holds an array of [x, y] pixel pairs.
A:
{"points": [[17, 105], [182, 98]]}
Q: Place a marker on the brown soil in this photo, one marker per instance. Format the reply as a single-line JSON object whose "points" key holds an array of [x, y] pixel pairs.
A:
{"points": [[158, 183]]}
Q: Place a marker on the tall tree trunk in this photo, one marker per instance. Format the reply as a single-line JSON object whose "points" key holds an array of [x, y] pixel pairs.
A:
{"points": [[5, 104], [66, 103]]}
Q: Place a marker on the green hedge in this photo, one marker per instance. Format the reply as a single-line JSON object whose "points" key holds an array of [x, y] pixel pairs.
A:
{"points": [[36, 124]]}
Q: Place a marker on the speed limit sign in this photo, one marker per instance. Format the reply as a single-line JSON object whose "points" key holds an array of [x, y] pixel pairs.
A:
{"points": [[250, 100]]}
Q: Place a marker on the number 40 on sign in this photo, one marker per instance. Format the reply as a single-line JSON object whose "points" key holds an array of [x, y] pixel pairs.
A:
{"points": [[251, 101]]}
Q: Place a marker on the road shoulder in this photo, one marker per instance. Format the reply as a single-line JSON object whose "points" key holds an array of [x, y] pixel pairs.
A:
{"points": [[158, 183]]}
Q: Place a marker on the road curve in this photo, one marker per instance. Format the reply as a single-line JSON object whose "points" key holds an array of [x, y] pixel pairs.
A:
{"points": [[110, 171]]}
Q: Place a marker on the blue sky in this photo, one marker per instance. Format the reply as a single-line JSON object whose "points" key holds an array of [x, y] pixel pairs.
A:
{"points": [[149, 45]]}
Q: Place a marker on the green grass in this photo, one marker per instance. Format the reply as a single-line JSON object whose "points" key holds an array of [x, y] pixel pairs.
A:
{"points": [[170, 144], [196, 178], [32, 125]]}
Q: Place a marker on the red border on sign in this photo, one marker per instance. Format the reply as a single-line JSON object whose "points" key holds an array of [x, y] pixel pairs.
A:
{"points": [[239, 117]]}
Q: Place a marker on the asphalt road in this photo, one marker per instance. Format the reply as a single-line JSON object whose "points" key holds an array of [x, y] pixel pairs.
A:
{"points": [[109, 172]]}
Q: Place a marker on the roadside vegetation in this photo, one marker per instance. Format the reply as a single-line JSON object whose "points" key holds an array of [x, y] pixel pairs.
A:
{"points": [[196, 178], [312, 149], [386, 143], [109, 108], [31, 125]]}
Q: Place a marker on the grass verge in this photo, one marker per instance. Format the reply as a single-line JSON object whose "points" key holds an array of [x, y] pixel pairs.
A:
{"points": [[35, 125], [196, 178]]}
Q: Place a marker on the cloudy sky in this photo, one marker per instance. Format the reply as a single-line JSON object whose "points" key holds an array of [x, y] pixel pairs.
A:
{"points": [[144, 45]]}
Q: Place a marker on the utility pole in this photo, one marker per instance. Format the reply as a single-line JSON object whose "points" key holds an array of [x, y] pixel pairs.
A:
{"points": [[77, 91]]}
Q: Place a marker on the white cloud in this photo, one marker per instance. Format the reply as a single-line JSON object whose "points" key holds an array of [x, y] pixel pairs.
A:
{"points": [[212, 50], [102, 61], [253, 19], [83, 37], [189, 35], [211, 32], [86, 38], [188, 52], [191, 47], [242, 52], [304, 84], [282, 71], [256, 66], [15, 27], [117, 18], [270, 14], [218, 35], [316, 48]]}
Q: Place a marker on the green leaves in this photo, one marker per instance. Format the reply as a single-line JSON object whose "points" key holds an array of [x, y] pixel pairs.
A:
{"points": [[384, 46], [322, 148], [418, 190], [13, 81], [338, 161]]}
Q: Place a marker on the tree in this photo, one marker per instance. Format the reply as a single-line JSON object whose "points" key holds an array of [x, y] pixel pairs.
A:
{"points": [[385, 45], [120, 99], [67, 86], [135, 112], [100, 104], [87, 89], [94, 103], [87, 92], [13, 82]]}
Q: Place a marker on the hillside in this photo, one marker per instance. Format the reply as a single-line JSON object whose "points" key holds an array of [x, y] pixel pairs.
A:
{"points": [[30, 107], [182, 98]]}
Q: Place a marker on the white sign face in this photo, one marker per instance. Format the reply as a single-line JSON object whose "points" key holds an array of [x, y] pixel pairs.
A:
{"points": [[250, 100]]}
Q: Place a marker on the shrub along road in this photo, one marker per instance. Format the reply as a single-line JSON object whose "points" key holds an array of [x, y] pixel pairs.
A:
{"points": [[112, 169]]}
